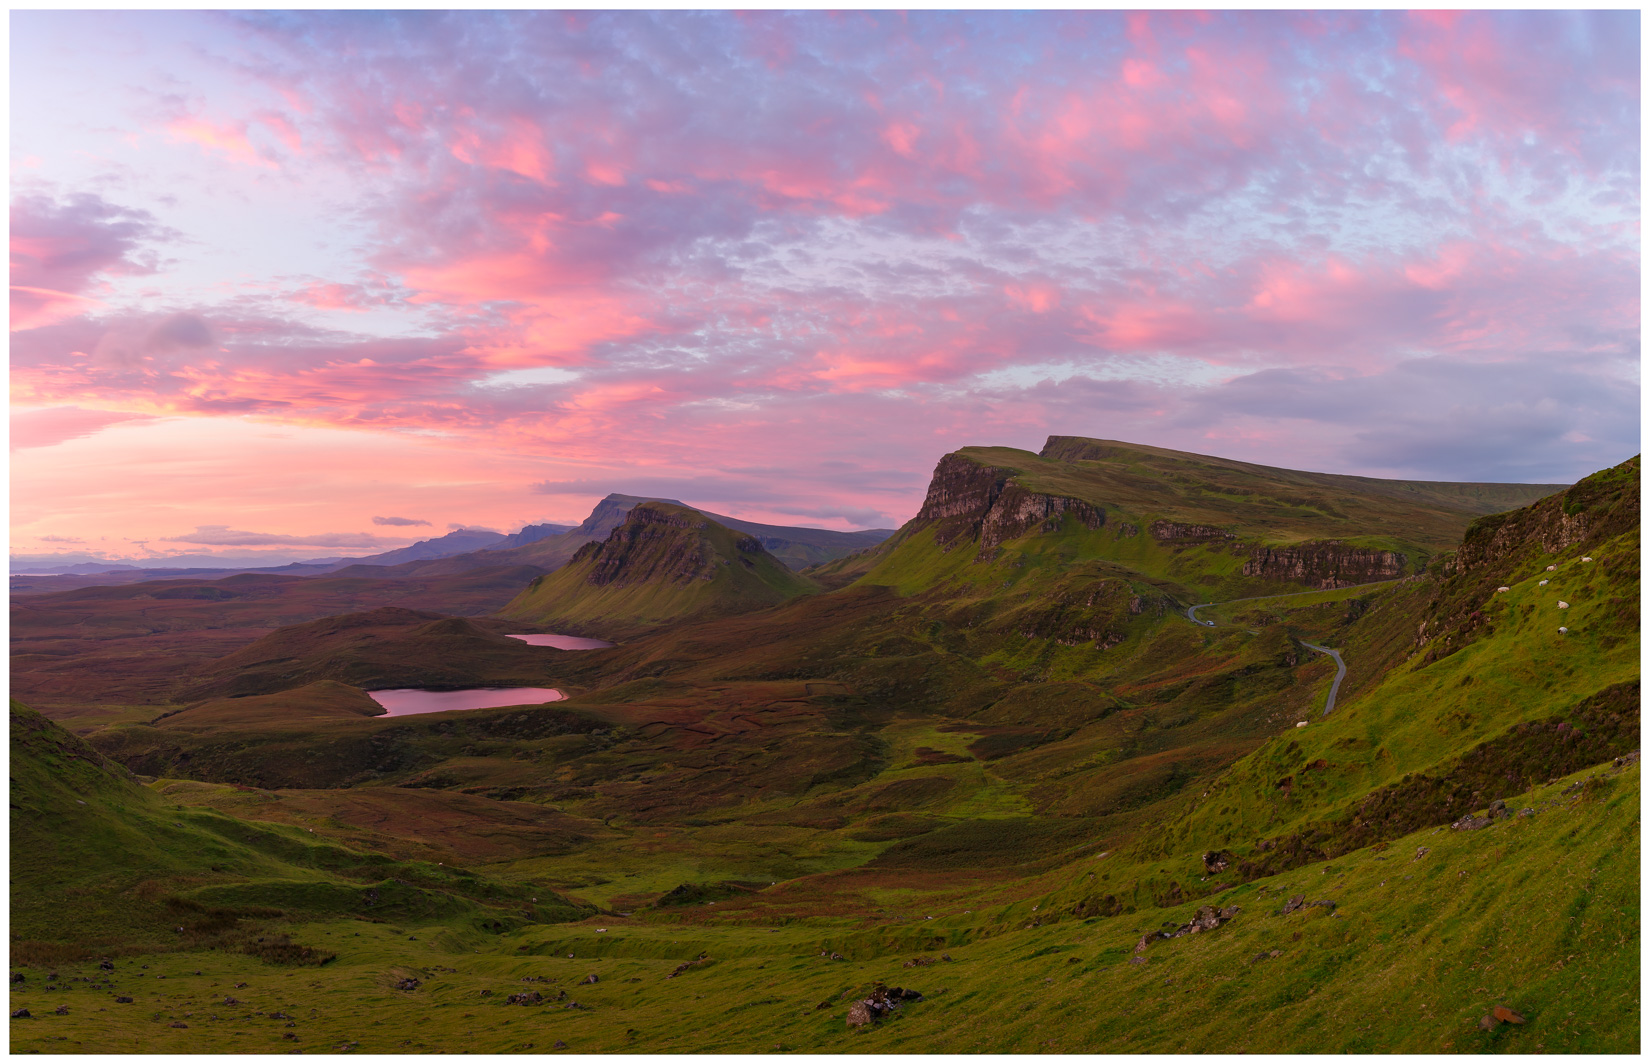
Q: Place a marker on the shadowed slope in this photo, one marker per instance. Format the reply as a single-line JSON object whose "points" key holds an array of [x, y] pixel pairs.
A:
{"points": [[663, 564]]}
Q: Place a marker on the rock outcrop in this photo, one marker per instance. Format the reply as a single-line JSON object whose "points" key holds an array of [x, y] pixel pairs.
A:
{"points": [[968, 501], [1326, 564], [1175, 532]]}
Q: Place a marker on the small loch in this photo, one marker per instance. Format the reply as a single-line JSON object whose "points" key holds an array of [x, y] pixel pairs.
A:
{"points": [[407, 701], [563, 642]]}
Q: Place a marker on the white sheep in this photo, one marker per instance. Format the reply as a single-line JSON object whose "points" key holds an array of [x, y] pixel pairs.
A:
{"points": [[1561, 631], [1550, 568], [1563, 605], [1501, 589], [1586, 559], [1300, 724], [1542, 584]]}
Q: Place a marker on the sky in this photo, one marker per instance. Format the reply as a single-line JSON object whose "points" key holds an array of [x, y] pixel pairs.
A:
{"points": [[320, 283]]}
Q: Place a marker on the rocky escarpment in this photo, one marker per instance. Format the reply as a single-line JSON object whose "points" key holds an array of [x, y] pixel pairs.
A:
{"points": [[1324, 565], [1505, 548], [968, 501], [656, 544], [1172, 531], [1598, 508]]}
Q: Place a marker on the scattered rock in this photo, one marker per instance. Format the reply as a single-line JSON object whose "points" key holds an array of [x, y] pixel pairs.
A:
{"points": [[559, 1044], [1498, 808], [184, 1026], [823, 1005], [22, 1014], [1506, 1015], [1471, 823], [1216, 861], [486, 993], [1526, 812], [526, 997], [123, 1000], [107, 966], [408, 984], [1292, 904], [61, 1010], [587, 980], [1422, 852], [947, 956], [279, 1016], [1137, 960], [919, 962], [18, 977], [1627, 759], [882, 1001], [1488, 1023]]}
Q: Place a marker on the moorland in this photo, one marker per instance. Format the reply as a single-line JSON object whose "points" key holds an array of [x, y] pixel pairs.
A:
{"points": [[1047, 769]]}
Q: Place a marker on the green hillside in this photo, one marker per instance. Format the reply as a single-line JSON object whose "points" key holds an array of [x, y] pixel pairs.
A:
{"points": [[663, 564], [990, 765]]}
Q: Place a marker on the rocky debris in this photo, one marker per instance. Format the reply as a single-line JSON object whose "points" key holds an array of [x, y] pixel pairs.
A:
{"points": [[1137, 960], [1506, 1015], [107, 966], [279, 1016], [408, 984], [526, 997], [559, 1044], [920, 962], [1471, 823], [1292, 904], [1488, 1023], [1627, 759], [1526, 812], [22, 1014], [227, 1000], [123, 1000], [1206, 918], [591, 978], [1216, 861], [61, 1010], [881, 1001], [485, 993], [1265, 955], [827, 1003], [698, 962], [1422, 851]]}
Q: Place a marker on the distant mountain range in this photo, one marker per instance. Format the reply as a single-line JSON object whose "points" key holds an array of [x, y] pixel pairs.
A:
{"points": [[546, 546]]}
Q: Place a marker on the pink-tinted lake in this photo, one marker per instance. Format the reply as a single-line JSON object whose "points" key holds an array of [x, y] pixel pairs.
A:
{"points": [[563, 642], [406, 701]]}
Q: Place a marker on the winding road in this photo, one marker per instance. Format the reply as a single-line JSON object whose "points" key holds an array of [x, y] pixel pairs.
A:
{"points": [[1340, 666]]}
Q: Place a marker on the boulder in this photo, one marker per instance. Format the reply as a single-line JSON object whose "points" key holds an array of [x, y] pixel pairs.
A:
{"points": [[18, 977], [1216, 861], [61, 1010], [1506, 1015], [123, 1000], [408, 984], [1292, 904], [1488, 1023], [859, 1014], [1421, 852], [21, 1014]]}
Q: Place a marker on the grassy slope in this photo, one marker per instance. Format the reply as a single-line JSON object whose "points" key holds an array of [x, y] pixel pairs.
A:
{"points": [[649, 590], [901, 749], [1540, 915]]}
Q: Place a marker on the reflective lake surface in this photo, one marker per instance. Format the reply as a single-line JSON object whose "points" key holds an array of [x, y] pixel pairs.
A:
{"points": [[406, 701], [563, 642]]}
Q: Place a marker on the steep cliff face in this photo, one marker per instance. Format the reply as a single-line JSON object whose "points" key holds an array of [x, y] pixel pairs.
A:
{"points": [[968, 501], [1324, 565]]}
